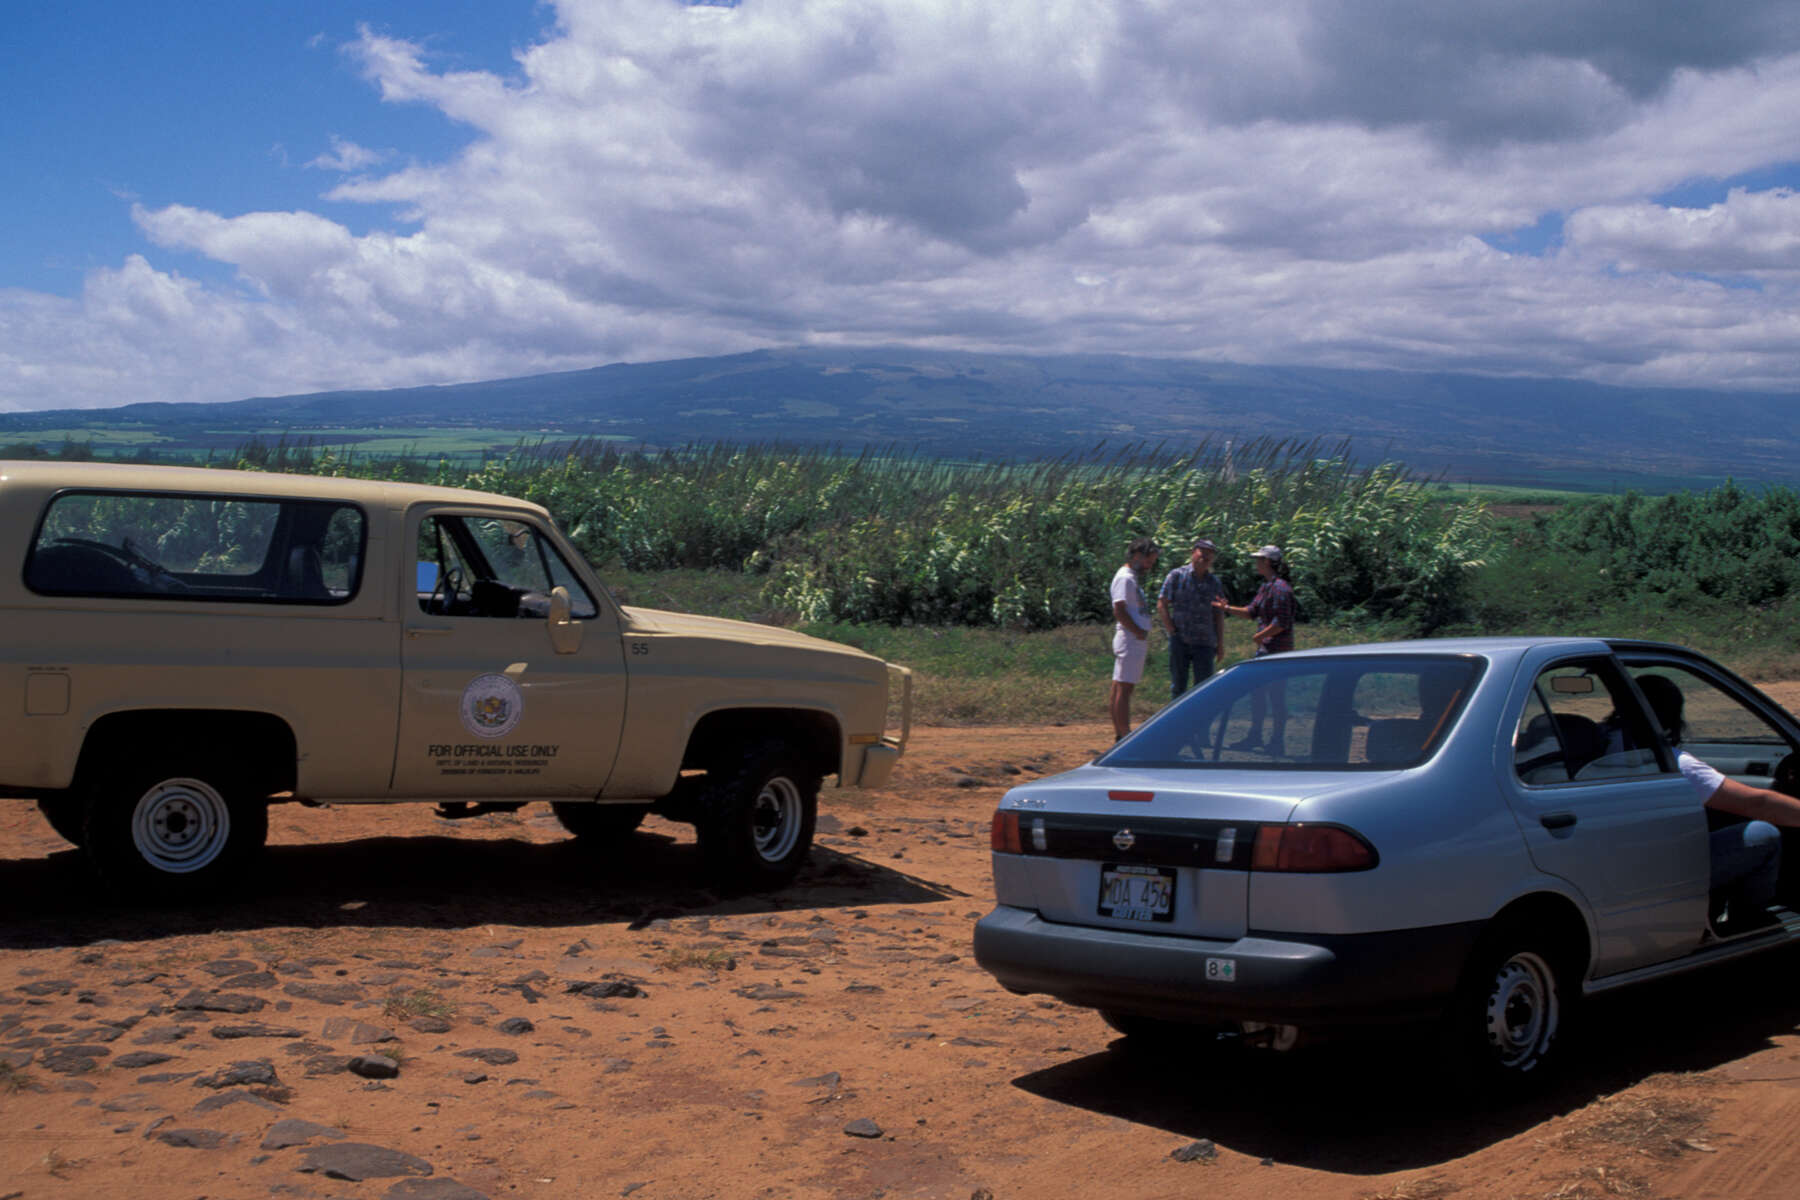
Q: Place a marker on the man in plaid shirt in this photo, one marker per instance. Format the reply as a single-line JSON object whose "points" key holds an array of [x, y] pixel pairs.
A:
{"points": [[1196, 628]]}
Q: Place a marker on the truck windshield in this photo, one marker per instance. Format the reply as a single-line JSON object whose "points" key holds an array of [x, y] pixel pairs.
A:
{"points": [[1379, 712]]}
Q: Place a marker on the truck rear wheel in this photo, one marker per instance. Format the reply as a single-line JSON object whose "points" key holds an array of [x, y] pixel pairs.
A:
{"points": [[756, 817], [599, 823], [172, 830]]}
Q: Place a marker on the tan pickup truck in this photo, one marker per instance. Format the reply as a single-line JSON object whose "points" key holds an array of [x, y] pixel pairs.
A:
{"points": [[189, 646]]}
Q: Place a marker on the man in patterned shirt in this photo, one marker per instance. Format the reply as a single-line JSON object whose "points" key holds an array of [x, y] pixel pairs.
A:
{"points": [[1196, 628]]}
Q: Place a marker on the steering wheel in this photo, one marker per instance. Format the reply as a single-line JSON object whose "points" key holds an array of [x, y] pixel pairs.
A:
{"points": [[1787, 775], [449, 586], [165, 578]]}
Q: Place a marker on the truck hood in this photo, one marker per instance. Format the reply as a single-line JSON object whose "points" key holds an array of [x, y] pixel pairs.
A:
{"points": [[655, 620]]}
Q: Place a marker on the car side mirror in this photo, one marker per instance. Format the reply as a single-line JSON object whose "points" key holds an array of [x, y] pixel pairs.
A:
{"points": [[565, 633]]}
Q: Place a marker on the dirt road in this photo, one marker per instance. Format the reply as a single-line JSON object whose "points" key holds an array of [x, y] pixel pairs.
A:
{"points": [[568, 1025]]}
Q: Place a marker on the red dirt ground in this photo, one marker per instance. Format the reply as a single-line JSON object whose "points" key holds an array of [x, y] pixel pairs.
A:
{"points": [[765, 1027]]}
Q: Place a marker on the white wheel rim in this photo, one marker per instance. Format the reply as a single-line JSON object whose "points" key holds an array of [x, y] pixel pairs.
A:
{"points": [[180, 825], [776, 819], [1522, 1011]]}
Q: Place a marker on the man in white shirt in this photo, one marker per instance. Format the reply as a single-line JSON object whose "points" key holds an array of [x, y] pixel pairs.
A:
{"points": [[1746, 857], [1131, 629]]}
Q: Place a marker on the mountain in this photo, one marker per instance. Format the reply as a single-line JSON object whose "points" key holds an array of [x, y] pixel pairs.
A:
{"points": [[1510, 430]]}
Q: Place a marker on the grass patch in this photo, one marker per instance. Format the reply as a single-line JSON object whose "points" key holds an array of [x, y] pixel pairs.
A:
{"points": [[706, 960], [1429, 1187], [1655, 1122], [420, 1002]]}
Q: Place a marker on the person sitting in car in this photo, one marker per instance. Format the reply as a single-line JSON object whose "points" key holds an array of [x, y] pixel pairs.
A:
{"points": [[1746, 857]]}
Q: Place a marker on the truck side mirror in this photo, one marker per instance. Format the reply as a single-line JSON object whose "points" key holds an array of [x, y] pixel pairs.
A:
{"points": [[565, 634]]}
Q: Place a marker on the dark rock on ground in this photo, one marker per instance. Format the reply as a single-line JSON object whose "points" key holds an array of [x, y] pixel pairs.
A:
{"points": [[1200, 1151], [862, 1127], [254, 1029], [325, 993], [225, 1002], [374, 1066], [227, 1099], [493, 1056], [72, 1060], [606, 989], [356, 1161], [197, 1139], [292, 1131], [242, 1073]]}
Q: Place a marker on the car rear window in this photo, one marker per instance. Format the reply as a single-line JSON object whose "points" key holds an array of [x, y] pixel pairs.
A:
{"points": [[197, 547], [1376, 712]]}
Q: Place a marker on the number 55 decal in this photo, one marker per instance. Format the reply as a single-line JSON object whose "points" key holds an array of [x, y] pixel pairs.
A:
{"points": [[640, 647]]}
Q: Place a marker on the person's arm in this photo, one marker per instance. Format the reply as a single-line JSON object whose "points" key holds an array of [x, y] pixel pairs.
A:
{"points": [[1162, 612], [1758, 804], [1123, 616], [1218, 619]]}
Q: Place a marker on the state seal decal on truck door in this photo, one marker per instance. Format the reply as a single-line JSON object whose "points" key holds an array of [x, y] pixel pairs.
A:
{"points": [[491, 706]]}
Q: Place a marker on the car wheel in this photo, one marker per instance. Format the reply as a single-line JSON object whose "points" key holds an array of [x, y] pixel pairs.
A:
{"points": [[65, 816], [1510, 1021], [756, 819], [599, 823], [172, 832]]}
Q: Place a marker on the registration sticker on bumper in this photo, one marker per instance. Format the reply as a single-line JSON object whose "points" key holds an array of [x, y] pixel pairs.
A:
{"points": [[1221, 970]]}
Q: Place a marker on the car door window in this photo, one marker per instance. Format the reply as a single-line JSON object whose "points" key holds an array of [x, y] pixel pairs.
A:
{"points": [[1714, 725], [1582, 722]]}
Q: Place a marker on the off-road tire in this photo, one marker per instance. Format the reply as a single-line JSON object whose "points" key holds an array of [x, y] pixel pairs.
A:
{"points": [[172, 830], [66, 815], [756, 817], [599, 823]]}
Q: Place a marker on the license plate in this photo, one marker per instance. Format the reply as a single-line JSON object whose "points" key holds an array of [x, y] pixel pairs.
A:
{"points": [[1129, 892]]}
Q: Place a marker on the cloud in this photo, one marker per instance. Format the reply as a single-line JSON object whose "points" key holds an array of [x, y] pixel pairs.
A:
{"points": [[1256, 180], [347, 156]]}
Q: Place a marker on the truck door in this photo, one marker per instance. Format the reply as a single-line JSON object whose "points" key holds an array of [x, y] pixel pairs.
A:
{"points": [[513, 677]]}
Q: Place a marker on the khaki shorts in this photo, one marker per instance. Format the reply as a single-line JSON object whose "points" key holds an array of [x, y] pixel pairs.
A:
{"points": [[1129, 654]]}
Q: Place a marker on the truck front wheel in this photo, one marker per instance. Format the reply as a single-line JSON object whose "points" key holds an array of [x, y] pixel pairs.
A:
{"points": [[756, 817], [173, 830]]}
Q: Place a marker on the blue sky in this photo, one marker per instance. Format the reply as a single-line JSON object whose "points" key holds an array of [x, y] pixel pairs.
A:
{"points": [[213, 200], [219, 102]]}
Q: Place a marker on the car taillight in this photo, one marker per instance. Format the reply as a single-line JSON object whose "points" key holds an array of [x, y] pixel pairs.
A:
{"points": [[1005, 833], [1303, 847]]}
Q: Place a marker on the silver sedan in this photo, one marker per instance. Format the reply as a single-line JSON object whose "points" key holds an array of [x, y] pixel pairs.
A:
{"points": [[1475, 832]]}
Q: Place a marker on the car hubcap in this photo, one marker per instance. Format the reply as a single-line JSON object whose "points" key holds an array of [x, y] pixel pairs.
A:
{"points": [[180, 825], [1522, 1011], [777, 818]]}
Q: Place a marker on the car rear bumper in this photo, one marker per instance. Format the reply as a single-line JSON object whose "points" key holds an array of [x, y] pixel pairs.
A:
{"points": [[1290, 979]]}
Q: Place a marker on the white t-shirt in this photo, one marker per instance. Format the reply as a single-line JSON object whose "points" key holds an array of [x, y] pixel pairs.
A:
{"points": [[1125, 587], [1705, 779]]}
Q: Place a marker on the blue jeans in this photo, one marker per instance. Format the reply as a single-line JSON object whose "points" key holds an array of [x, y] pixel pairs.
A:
{"points": [[1182, 658], [1746, 863]]}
